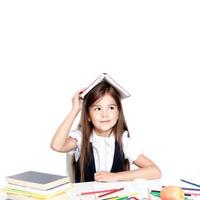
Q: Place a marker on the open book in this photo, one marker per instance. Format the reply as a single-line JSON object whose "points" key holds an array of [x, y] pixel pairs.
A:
{"points": [[105, 77]]}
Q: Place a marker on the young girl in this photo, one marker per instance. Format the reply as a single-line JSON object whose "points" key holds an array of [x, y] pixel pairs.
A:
{"points": [[102, 147]]}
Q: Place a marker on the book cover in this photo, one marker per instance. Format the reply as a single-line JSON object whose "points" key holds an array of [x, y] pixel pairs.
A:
{"points": [[105, 77], [37, 180]]}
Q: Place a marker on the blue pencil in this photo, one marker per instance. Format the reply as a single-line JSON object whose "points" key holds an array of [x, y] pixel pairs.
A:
{"points": [[190, 183], [193, 189], [186, 188]]}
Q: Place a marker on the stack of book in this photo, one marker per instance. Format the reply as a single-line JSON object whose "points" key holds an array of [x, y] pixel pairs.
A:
{"points": [[32, 185]]}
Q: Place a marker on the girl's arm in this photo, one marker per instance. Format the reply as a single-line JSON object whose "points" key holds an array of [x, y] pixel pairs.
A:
{"points": [[147, 169], [61, 142]]}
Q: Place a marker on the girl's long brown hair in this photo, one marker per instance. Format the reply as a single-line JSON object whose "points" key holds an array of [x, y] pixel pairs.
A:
{"points": [[86, 126]]}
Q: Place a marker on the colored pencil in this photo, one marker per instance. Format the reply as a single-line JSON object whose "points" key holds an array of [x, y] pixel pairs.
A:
{"points": [[193, 189], [186, 188], [126, 197], [111, 198], [130, 195], [122, 198], [132, 198], [192, 194], [191, 183], [129, 198], [98, 191], [110, 192], [157, 193]]}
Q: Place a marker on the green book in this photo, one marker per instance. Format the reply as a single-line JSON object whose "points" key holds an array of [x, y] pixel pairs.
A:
{"points": [[37, 180]]}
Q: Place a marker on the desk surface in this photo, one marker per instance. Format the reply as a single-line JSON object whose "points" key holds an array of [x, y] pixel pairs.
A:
{"points": [[139, 186]]}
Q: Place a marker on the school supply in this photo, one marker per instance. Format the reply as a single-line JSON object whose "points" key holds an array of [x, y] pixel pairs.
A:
{"points": [[189, 182], [157, 193], [37, 180], [62, 196], [105, 77], [124, 197], [33, 185], [98, 191], [192, 189], [20, 190], [136, 188], [110, 192]]}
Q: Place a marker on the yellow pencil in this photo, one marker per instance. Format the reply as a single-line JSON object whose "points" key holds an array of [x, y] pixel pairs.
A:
{"points": [[122, 196]]}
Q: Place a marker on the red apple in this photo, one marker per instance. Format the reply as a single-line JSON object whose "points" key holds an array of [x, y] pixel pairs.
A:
{"points": [[172, 193]]}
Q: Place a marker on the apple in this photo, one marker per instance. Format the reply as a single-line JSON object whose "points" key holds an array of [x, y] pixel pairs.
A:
{"points": [[172, 192]]}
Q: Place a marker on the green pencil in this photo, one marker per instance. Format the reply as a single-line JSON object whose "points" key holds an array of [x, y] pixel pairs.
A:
{"points": [[133, 194], [155, 194], [126, 196]]}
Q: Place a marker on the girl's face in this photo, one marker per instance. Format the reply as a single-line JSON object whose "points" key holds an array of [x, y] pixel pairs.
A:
{"points": [[104, 115]]}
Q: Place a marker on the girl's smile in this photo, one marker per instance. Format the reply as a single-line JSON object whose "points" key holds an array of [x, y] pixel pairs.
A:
{"points": [[105, 121]]}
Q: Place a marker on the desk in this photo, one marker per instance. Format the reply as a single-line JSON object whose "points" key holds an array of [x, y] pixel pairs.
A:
{"points": [[139, 186]]}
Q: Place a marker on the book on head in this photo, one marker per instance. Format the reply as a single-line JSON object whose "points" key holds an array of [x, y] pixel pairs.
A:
{"points": [[105, 77], [37, 180]]}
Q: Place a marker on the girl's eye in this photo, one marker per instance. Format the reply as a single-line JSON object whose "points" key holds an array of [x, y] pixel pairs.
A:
{"points": [[111, 107], [97, 109]]}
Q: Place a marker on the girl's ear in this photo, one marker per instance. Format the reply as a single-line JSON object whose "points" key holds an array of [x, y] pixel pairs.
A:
{"points": [[89, 119]]}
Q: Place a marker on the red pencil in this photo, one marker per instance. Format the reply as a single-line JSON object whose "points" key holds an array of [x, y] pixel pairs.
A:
{"points": [[98, 191], [114, 190]]}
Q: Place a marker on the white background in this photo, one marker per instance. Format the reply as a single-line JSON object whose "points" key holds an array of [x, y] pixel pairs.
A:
{"points": [[50, 49]]}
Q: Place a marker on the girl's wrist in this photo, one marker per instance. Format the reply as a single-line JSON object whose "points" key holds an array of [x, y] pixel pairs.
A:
{"points": [[74, 112]]}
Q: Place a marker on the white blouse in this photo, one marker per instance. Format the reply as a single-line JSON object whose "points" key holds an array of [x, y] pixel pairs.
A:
{"points": [[104, 147]]}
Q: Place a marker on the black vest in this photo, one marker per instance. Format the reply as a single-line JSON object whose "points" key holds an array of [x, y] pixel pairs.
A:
{"points": [[117, 166]]}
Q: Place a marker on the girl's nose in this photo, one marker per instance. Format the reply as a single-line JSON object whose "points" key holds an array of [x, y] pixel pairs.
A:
{"points": [[104, 113]]}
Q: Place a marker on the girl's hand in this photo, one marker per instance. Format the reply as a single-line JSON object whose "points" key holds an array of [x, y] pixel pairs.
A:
{"points": [[77, 101], [105, 176]]}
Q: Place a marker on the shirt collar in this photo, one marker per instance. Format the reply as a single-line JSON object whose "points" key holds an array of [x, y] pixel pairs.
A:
{"points": [[108, 140]]}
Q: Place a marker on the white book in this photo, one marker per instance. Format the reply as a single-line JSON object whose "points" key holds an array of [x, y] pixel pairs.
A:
{"points": [[105, 77]]}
